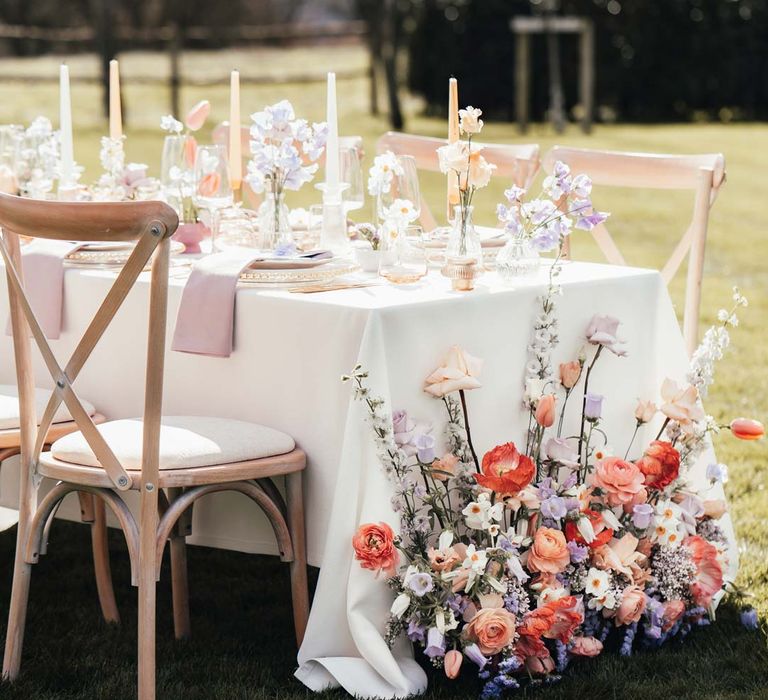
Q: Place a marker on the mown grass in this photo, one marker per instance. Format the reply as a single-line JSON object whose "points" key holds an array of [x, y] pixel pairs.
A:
{"points": [[242, 645]]}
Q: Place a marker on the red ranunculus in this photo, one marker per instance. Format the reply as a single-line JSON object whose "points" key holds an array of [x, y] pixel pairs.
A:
{"points": [[505, 470], [660, 464]]}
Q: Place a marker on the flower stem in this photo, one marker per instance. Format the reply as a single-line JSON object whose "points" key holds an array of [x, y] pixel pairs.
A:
{"points": [[584, 401], [634, 435], [663, 428], [466, 428]]}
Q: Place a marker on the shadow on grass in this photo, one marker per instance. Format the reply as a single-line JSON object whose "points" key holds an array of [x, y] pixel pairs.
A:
{"points": [[243, 649]]}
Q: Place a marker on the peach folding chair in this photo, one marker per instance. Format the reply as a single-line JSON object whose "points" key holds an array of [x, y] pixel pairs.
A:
{"points": [[171, 462], [703, 174], [519, 163]]}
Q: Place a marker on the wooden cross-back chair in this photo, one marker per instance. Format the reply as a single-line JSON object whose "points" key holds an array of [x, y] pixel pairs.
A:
{"points": [[221, 137], [96, 460], [702, 174], [518, 163]]}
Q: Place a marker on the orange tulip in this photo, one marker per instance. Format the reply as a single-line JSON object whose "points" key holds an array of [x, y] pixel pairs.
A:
{"points": [[190, 150], [545, 411], [747, 429]]}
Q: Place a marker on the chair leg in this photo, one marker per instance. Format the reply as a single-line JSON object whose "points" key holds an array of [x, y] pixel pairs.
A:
{"points": [[17, 615], [100, 546], [182, 625], [147, 630], [180, 587], [299, 586]]}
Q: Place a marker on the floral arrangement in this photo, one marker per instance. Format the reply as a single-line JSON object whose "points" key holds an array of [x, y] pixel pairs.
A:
{"points": [[285, 149], [545, 220], [464, 161], [559, 547], [119, 181], [181, 175], [38, 164]]}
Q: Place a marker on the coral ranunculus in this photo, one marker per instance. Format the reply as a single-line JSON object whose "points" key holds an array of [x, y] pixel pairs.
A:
{"points": [[709, 573], [622, 481], [505, 470], [492, 629], [549, 553], [747, 429], [374, 546], [660, 464]]}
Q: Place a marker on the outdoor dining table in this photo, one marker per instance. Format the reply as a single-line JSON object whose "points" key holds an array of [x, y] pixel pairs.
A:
{"points": [[290, 351]]}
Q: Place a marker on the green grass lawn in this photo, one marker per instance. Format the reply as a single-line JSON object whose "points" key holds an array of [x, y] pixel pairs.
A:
{"points": [[242, 645]]}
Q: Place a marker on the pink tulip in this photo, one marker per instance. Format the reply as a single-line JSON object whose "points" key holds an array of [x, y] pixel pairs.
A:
{"points": [[545, 411], [197, 115], [452, 663], [747, 429]]}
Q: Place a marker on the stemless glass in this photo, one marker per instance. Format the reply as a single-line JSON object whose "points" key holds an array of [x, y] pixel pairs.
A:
{"points": [[213, 190], [403, 259], [405, 186], [351, 171]]}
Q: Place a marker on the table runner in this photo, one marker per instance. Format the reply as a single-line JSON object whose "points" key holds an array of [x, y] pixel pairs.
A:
{"points": [[290, 352]]}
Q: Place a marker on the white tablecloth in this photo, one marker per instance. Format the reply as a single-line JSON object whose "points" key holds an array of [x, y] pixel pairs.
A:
{"points": [[290, 352]]}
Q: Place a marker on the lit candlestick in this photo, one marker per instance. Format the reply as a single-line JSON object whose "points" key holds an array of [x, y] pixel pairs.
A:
{"points": [[332, 143], [235, 142], [115, 107], [66, 177], [453, 136]]}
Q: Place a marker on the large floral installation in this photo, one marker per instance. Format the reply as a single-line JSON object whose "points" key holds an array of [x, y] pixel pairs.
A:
{"points": [[537, 552]]}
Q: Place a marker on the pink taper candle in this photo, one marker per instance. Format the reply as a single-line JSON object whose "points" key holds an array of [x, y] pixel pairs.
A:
{"points": [[453, 136], [115, 107], [235, 143]]}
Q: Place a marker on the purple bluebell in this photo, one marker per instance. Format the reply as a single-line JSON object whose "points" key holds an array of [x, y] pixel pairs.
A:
{"points": [[749, 619], [425, 446], [593, 406], [578, 553], [416, 631], [435, 643], [641, 515], [554, 508], [473, 653]]}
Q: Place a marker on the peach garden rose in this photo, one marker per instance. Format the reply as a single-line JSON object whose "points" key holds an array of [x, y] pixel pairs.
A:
{"points": [[549, 553], [492, 629]]}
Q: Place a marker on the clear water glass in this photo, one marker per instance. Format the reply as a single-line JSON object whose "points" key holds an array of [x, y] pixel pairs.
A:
{"points": [[213, 190], [404, 186], [351, 172]]}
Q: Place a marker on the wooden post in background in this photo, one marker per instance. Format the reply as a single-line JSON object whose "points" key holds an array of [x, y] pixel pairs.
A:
{"points": [[174, 49], [587, 74], [522, 75]]}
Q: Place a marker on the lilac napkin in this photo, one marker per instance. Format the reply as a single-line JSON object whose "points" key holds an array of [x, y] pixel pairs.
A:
{"points": [[206, 318], [42, 263]]}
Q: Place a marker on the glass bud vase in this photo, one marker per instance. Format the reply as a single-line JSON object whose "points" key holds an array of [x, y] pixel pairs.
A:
{"points": [[518, 258], [463, 243], [274, 227]]}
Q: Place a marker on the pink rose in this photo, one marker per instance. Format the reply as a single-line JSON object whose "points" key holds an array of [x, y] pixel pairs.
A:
{"points": [[586, 646], [622, 481], [631, 607], [603, 330], [491, 629], [459, 371]]}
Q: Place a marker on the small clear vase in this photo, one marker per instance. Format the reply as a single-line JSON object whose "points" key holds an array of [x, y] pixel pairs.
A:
{"points": [[463, 243], [518, 258], [274, 226]]}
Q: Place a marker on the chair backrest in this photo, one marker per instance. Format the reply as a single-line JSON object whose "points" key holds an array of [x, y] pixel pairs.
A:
{"points": [[703, 174], [221, 136], [517, 162], [151, 225]]}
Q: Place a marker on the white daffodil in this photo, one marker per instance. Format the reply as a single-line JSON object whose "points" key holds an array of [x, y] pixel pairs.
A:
{"points": [[476, 559], [597, 582]]}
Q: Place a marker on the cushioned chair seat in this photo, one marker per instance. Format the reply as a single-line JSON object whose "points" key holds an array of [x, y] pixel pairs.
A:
{"points": [[9, 407], [185, 442]]}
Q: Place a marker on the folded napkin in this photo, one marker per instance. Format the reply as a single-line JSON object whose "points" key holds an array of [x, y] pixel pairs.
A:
{"points": [[42, 263], [206, 319]]}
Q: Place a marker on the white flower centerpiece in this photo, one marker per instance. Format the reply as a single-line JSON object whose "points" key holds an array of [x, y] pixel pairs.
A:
{"points": [[284, 152], [463, 160]]}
